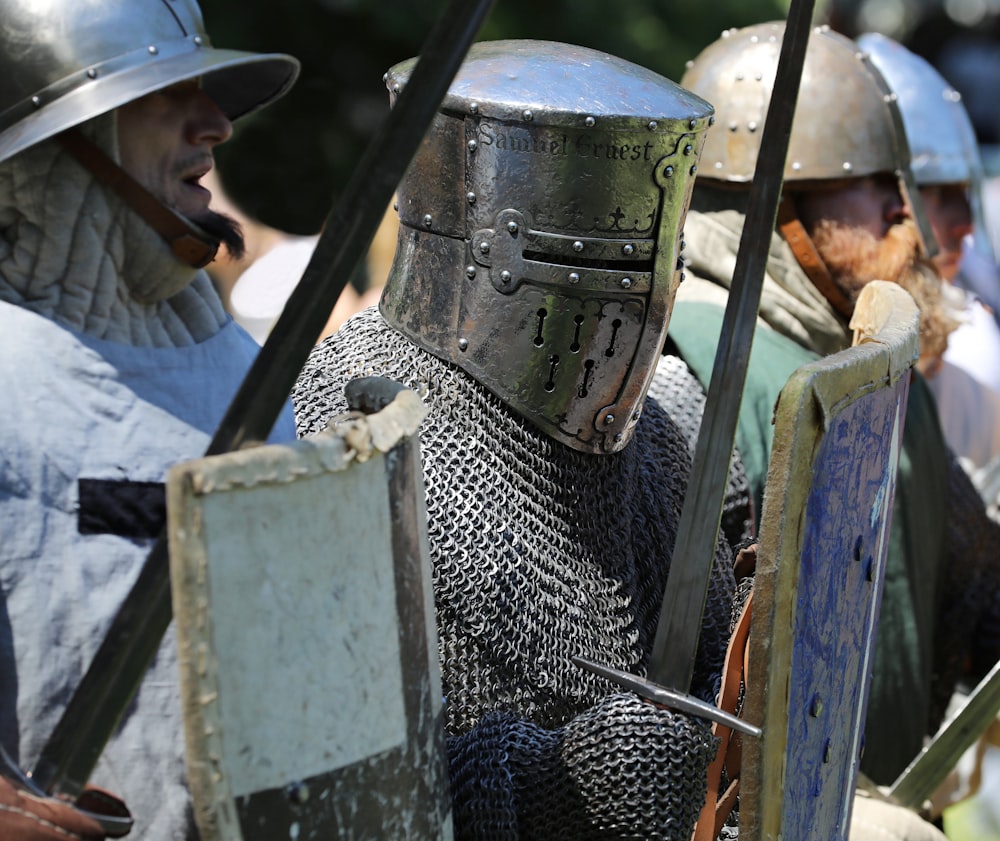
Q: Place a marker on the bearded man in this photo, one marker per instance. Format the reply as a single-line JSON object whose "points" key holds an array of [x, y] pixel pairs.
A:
{"points": [[119, 359], [844, 220]]}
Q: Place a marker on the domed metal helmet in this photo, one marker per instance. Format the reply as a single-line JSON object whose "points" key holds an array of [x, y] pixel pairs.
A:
{"points": [[540, 231], [63, 62], [943, 144], [847, 125]]}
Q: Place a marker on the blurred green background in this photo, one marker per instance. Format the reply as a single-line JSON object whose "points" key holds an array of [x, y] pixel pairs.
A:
{"points": [[286, 165]]}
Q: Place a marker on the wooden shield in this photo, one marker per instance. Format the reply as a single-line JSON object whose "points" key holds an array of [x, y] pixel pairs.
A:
{"points": [[820, 570], [305, 627]]}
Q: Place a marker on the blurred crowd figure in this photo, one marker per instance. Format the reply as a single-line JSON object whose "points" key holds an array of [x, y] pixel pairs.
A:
{"points": [[255, 287]]}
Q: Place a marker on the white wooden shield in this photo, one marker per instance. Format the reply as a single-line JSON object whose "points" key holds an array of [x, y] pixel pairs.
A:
{"points": [[305, 625], [820, 569]]}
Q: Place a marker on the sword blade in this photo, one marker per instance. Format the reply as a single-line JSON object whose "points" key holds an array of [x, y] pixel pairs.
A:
{"points": [[676, 643], [930, 767], [131, 642]]}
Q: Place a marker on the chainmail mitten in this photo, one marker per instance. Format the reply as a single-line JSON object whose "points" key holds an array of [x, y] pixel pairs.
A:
{"points": [[624, 769]]}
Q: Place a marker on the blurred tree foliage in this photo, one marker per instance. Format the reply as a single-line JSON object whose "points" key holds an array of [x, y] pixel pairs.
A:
{"points": [[286, 164]]}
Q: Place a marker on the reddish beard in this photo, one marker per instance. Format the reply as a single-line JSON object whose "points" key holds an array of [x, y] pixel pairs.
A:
{"points": [[854, 257]]}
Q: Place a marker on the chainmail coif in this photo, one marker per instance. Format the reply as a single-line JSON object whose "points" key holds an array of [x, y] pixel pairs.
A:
{"points": [[540, 553]]}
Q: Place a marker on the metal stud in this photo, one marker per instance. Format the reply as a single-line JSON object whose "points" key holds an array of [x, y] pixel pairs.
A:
{"points": [[651, 125], [528, 116], [628, 249], [609, 419], [505, 276], [472, 145], [153, 49], [36, 101], [574, 277], [92, 73], [590, 122], [512, 228], [470, 198], [198, 40], [463, 345], [848, 166], [692, 124], [484, 247], [298, 793], [578, 246], [470, 272], [668, 172], [474, 107], [626, 283], [688, 149], [428, 220]]}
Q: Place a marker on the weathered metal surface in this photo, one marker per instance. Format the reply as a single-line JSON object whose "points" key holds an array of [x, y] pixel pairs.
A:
{"points": [[305, 624], [820, 571]]}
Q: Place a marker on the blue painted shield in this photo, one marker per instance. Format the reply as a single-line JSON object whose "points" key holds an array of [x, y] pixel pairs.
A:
{"points": [[820, 570]]}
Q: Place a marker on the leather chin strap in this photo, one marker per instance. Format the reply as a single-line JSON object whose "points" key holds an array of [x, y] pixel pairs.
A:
{"points": [[805, 252], [189, 243]]}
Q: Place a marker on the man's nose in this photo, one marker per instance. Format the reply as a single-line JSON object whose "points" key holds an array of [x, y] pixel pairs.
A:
{"points": [[208, 124]]}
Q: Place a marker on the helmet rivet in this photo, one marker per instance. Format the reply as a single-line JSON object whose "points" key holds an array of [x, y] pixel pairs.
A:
{"points": [[692, 124], [428, 220], [385, 78], [669, 172], [574, 277], [474, 107], [92, 73], [733, 126], [711, 120], [752, 125], [590, 122], [395, 206], [153, 49], [471, 198], [694, 169], [36, 101], [718, 164], [651, 125], [682, 277], [505, 276], [578, 246], [759, 77], [688, 149], [739, 77], [470, 272], [198, 41], [472, 145], [395, 88], [628, 249], [512, 228], [609, 419], [847, 166], [528, 116], [796, 166], [463, 345], [484, 247], [626, 283]]}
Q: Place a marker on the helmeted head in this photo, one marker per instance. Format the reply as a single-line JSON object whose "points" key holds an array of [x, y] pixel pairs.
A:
{"points": [[943, 147], [847, 127], [540, 231], [68, 61]]}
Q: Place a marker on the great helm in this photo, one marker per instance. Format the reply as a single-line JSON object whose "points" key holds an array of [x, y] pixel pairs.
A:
{"points": [[847, 123], [540, 231], [63, 62], [943, 144]]}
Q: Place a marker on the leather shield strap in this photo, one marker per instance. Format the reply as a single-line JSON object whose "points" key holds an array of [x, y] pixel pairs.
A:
{"points": [[189, 243], [805, 252], [718, 804]]}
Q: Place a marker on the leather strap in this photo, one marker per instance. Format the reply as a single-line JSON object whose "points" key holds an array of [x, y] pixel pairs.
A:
{"points": [[189, 243], [805, 252], [734, 673]]}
